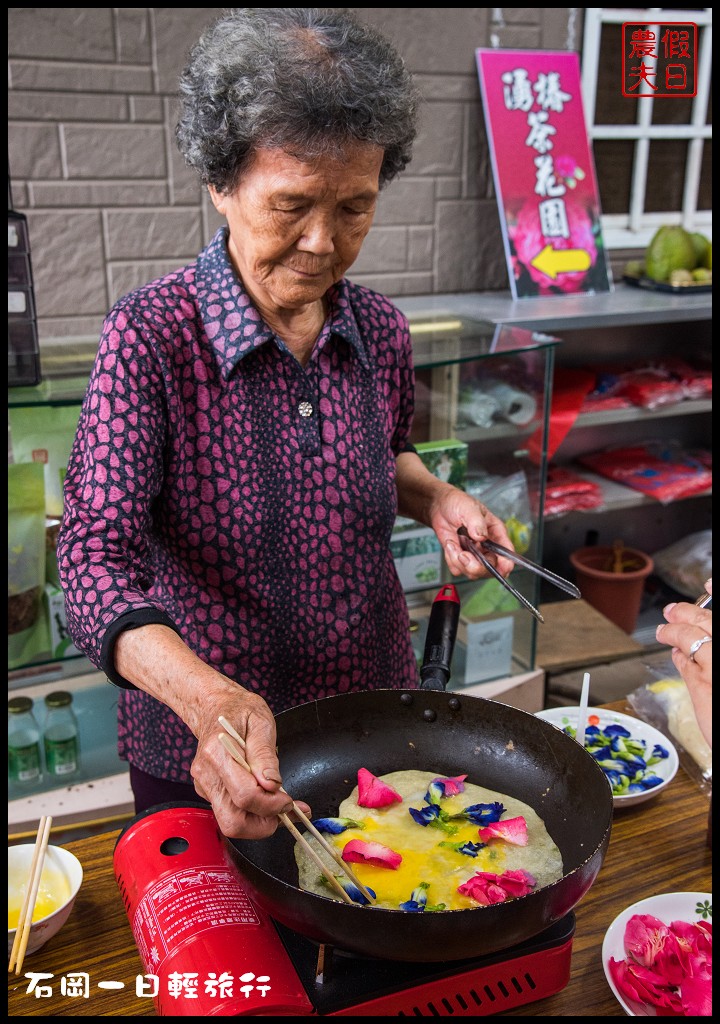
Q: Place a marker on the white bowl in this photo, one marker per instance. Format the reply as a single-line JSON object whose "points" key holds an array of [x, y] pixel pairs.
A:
{"points": [[665, 769], [59, 885], [668, 907]]}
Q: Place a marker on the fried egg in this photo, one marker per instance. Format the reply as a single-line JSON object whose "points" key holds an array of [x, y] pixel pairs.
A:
{"points": [[425, 859]]}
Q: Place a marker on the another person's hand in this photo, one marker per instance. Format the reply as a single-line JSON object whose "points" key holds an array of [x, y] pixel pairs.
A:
{"points": [[688, 631], [245, 804], [455, 508]]}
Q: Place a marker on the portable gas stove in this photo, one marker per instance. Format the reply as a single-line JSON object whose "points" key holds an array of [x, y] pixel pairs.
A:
{"points": [[214, 952], [341, 984]]}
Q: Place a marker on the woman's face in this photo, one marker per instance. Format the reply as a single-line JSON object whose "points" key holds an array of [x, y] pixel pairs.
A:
{"points": [[295, 226]]}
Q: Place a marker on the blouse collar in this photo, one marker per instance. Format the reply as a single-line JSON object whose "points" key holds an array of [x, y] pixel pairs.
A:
{"points": [[234, 326]]}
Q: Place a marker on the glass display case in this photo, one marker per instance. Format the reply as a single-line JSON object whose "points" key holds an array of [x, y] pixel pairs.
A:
{"points": [[42, 420], [628, 327], [481, 422]]}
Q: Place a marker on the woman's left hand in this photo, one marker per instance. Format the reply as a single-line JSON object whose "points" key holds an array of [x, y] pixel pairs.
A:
{"points": [[453, 509]]}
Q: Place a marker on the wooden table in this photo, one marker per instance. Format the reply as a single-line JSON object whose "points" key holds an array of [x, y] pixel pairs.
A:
{"points": [[660, 846]]}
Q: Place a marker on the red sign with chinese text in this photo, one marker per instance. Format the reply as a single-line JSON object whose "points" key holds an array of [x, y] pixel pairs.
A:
{"points": [[544, 172], [659, 59]]}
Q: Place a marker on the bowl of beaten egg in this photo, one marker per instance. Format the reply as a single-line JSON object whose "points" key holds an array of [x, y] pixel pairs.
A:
{"points": [[59, 885]]}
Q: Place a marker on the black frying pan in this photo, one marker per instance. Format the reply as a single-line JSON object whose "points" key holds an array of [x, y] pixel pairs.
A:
{"points": [[323, 743]]}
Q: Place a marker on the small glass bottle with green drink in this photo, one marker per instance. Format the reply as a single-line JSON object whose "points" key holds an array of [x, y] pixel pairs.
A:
{"points": [[61, 736], [24, 758]]}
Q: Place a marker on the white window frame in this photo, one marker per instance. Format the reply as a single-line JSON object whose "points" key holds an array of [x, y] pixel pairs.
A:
{"points": [[635, 228]]}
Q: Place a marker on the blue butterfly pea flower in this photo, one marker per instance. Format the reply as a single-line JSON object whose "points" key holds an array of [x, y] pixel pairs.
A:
{"points": [[418, 899], [435, 792], [468, 849], [425, 815], [646, 782], [336, 825], [353, 892], [483, 814]]}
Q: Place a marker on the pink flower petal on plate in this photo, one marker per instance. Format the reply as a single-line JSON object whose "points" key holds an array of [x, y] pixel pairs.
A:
{"points": [[669, 967], [512, 830], [357, 851], [696, 997], [672, 962], [644, 938], [372, 792], [625, 982], [639, 985], [694, 935]]}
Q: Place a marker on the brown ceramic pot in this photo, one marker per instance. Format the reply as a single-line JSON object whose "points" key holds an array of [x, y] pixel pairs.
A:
{"points": [[616, 595]]}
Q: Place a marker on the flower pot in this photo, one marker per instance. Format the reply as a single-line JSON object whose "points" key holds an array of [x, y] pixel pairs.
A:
{"points": [[616, 595]]}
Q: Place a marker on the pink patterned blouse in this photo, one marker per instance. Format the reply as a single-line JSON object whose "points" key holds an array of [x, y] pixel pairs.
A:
{"points": [[220, 488]]}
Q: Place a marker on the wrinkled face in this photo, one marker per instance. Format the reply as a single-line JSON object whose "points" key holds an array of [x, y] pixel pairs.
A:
{"points": [[295, 226]]}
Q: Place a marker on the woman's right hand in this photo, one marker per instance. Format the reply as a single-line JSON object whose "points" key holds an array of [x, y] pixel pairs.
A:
{"points": [[246, 804]]}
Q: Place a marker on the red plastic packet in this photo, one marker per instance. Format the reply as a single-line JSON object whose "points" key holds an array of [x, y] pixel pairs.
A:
{"points": [[567, 491], [665, 473]]}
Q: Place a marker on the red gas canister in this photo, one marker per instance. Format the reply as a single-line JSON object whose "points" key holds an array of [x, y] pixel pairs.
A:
{"points": [[206, 949]]}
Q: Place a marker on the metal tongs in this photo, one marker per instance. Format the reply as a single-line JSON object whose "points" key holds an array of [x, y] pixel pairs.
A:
{"points": [[498, 549]]}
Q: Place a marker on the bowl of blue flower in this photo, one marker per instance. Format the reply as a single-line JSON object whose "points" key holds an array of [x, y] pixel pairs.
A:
{"points": [[638, 760]]}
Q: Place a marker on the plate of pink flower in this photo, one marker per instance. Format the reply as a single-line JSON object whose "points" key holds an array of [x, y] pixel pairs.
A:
{"points": [[657, 956]]}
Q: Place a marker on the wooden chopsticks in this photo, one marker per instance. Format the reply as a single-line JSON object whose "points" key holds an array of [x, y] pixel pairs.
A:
{"points": [[236, 750], [22, 932]]}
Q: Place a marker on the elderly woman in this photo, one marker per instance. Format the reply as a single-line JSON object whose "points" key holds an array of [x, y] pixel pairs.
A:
{"points": [[243, 448]]}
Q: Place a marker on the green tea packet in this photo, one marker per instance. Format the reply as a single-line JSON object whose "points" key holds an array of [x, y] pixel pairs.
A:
{"points": [[28, 632], [45, 434]]}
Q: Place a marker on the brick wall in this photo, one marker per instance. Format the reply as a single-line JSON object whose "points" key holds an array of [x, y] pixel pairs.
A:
{"points": [[110, 203]]}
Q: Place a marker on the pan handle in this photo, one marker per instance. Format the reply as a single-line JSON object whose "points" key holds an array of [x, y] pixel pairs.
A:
{"points": [[440, 641]]}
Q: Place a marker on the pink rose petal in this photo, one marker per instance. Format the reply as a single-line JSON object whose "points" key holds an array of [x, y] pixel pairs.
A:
{"points": [[517, 883], [484, 890], [485, 887], [668, 967], [640, 985], [696, 997], [372, 792], [357, 851], [453, 785], [512, 830]]}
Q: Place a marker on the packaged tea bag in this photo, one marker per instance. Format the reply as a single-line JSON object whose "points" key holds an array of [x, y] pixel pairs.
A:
{"points": [[28, 634], [45, 434]]}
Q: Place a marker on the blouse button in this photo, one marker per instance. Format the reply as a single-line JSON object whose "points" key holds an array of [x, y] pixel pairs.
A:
{"points": [[305, 409]]}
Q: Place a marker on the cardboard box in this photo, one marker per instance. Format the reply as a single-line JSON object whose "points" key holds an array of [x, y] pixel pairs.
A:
{"points": [[447, 460], [484, 649], [418, 558]]}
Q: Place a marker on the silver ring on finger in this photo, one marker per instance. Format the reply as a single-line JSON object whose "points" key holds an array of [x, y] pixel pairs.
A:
{"points": [[697, 645]]}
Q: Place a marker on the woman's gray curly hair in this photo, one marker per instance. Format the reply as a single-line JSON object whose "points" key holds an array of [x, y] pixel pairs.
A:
{"points": [[308, 80]]}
